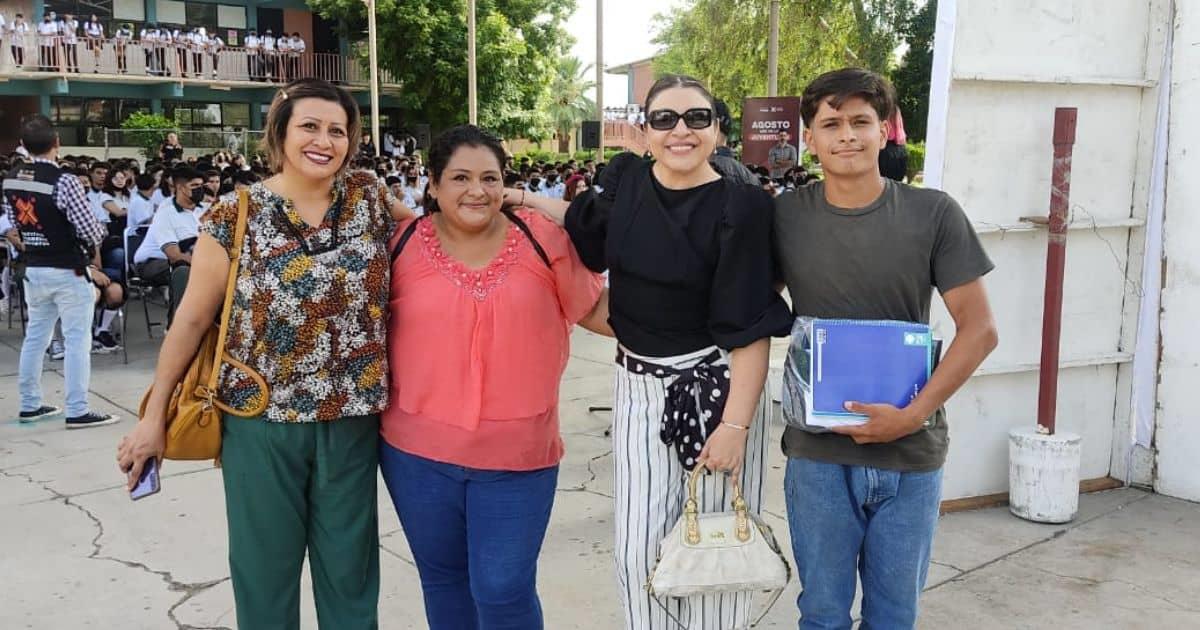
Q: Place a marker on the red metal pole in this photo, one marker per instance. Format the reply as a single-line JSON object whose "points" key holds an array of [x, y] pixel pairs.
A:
{"points": [[1056, 258]]}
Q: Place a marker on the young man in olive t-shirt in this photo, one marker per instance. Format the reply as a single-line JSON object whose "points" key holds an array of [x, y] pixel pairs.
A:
{"points": [[865, 499]]}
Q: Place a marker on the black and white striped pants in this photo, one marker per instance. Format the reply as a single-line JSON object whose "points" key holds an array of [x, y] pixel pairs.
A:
{"points": [[650, 487]]}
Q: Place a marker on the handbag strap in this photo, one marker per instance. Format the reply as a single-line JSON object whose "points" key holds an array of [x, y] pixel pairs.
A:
{"points": [[235, 256]]}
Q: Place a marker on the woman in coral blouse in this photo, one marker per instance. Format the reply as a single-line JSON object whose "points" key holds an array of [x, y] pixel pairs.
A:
{"points": [[482, 305]]}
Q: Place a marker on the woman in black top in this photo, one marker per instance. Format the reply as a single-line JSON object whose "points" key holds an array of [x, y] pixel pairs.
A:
{"points": [[171, 150], [692, 303]]}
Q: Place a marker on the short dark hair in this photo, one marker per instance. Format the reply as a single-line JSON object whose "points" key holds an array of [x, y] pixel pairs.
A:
{"points": [[38, 135], [280, 114], [184, 174], [100, 165], [670, 81], [837, 86], [145, 181]]}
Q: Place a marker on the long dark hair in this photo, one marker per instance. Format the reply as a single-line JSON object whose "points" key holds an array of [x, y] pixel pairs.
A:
{"points": [[447, 143]]}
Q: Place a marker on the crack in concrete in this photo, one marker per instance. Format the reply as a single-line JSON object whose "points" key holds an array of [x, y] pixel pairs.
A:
{"points": [[1133, 586], [583, 487], [116, 487], [1057, 534], [189, 590], [398, 556], [947, 565]]}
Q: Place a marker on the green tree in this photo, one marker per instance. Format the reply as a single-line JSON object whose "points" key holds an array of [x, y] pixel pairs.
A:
{"points": [[568, 104], [724, 42], [148, 131], [912, 75], [423, 43]]}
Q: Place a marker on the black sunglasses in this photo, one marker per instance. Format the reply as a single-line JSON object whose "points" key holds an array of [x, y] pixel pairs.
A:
{"points": [[694, 118]]}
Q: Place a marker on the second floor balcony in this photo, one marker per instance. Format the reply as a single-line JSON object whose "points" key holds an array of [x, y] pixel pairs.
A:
{"points": [[109, 60]]}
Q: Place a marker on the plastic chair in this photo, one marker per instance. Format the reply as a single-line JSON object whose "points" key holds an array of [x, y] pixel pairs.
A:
{"points": [[133, 238]]}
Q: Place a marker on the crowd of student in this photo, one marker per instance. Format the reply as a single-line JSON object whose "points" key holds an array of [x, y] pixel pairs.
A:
{"points": [[389, 305], [167, 50]]}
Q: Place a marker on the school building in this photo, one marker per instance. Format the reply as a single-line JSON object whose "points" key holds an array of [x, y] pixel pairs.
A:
{"points": [[233, 99]]}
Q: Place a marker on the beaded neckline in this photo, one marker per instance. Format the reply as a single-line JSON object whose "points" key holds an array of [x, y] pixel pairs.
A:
{"points": [[478, 283]]}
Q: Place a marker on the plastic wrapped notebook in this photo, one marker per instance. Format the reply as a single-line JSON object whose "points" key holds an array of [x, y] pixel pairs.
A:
{"points": [[832, 361]]}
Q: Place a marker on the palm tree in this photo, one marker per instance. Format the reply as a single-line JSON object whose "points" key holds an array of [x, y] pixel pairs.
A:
{"points": [[569, 106]]}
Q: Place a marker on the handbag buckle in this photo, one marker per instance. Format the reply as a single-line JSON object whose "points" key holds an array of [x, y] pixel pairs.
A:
{"points": [[207, 397]]}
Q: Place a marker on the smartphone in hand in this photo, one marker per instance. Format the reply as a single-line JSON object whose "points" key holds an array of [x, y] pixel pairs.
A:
{"points": [[148, 483]]}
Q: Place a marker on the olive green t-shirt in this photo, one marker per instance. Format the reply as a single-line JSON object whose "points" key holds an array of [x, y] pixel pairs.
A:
{"points": [[878, 262]]}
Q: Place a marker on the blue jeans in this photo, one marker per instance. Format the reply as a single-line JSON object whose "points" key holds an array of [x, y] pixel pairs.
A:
{"points": [[847, 520], [54, 294], [475, 536]]}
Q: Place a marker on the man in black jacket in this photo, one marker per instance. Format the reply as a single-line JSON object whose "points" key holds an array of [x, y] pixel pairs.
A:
{"points": [[60, 238]]}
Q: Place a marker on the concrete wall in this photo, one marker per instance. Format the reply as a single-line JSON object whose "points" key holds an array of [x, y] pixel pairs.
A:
{"points": [[1009, 67], [1178, 427], [298, 21]]}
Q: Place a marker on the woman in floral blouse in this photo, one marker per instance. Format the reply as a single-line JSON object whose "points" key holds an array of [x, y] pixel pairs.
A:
{"points": [[309, 315]]}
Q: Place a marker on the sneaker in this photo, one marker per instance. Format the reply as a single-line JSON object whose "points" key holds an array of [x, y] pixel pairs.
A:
{"points": [[92, 419], [57, 351], [104, 343], [45, 411]]}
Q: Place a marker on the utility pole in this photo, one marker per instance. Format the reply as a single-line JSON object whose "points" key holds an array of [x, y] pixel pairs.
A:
{"points": [[374, 60], [773, 52], [600, 75], [472, 95]]}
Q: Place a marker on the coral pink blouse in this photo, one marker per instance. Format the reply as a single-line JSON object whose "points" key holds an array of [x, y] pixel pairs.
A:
{"points": [[476, 356]]}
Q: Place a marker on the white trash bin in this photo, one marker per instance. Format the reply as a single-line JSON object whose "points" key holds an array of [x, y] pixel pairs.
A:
{"points": [[1043, 475]]}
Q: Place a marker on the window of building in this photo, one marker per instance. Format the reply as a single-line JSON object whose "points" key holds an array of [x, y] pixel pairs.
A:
{"points": [[82, 121], [129, 10], [235, 115], [229, 16]]}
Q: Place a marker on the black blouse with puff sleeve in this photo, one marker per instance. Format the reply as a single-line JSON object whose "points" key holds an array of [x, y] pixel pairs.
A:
{"points": [[688, 269]]}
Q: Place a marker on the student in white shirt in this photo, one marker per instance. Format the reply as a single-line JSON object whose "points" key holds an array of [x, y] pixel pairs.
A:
{"points": [[268, 51], [147, 44], [141, 203], [180, 41], [198, 42], [16, 33], [48, 43], [214, 46], [283, 47], [94, 32], [164, 255], [121, 39], [69, 29], [298, 50], [253, 55]]}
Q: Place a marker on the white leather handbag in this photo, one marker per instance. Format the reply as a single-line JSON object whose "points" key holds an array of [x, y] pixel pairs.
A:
{"points": [[719, 552]]}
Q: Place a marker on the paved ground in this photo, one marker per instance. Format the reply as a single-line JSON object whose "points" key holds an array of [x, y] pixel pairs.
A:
{"points": [[76, 553]]}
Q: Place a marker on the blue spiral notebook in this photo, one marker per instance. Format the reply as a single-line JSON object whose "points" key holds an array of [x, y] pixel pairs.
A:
{"points": [[868, 361]]}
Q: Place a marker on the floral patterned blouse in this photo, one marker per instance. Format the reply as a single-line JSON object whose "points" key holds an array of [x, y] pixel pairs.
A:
{"points": [[310, 306]]}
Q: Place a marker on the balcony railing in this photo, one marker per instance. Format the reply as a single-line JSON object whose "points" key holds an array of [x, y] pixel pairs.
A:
{"points": [[110, 58]]}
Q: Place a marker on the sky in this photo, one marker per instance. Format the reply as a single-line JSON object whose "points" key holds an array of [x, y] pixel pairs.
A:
{"points": [[628, 29]]}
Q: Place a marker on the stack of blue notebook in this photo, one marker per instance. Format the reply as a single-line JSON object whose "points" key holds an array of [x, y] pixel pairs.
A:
{"points": [[832, 361]]}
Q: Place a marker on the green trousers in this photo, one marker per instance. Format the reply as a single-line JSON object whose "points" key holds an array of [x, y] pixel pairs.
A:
{"points": [[291, 488]]}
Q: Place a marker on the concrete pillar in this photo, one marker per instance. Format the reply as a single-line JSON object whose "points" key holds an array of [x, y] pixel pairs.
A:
{"points": [[44, 104], [156, 106], [251, 15], [37, 10], [151, 11]]}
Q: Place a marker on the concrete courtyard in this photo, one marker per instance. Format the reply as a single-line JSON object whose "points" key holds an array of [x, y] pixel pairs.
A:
{"points": [[75, 552]]}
